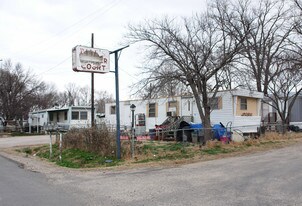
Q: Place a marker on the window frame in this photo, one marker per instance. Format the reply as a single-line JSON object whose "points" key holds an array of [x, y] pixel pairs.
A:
{"points": [[214, 103], [50, 116], [72, 115], [113, 109], [243, 104], [65, 115], [86, 115], [150, 110]]}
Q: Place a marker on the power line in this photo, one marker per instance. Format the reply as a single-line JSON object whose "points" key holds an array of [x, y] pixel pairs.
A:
{"points": [[54, 67], [74, 24], [134, 77], [81, 20], [60, 63], [97, 13]]}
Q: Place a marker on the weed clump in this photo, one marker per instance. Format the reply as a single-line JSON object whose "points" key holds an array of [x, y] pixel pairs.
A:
{"points": [[97, 140]]}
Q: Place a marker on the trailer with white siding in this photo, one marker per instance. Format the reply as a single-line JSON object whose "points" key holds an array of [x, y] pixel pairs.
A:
{"points": [[242, 108], [64, 117]]}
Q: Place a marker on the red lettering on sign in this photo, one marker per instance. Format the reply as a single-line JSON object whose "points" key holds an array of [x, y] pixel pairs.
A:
{"points": [[88, 66]]}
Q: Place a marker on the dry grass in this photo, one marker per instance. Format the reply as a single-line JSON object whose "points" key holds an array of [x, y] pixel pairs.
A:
{"points": [[99, 141], [160, 153], [265, 142]]}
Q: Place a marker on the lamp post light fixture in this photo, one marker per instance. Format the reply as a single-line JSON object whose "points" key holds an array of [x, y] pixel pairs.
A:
{"points": [[132, 108]]}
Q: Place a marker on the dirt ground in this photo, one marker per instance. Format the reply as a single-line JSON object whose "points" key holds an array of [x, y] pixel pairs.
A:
{"points": [[36, 164], [249, 177]]}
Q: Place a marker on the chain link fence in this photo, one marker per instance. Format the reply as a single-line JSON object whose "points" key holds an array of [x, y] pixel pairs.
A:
{"points": [[101, 138]]}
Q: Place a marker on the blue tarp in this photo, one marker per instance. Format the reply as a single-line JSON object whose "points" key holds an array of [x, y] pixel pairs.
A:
{"points": [[218, 130], [196, 126]]}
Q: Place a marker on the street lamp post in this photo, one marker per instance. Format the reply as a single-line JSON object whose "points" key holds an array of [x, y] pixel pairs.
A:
{"points": [[132, 108]]}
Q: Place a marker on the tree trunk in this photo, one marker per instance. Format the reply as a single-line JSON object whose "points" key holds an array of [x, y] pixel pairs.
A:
{"points": [[206, 120], [204, 114], [283, 127], [207, 125]]}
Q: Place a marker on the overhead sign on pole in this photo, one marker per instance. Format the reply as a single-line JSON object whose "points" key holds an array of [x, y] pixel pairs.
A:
{"points": [[87, 59]]}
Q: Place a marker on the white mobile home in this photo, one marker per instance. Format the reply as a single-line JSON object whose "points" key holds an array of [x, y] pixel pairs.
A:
{"points": [[271, 117], [65, 117], [241, 108], [295, 117]]}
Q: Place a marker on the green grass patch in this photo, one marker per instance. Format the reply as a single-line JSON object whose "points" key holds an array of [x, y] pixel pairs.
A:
{"points": [[165, 151], [218, 149], [73, 158], [163, 146], [149, 151], [27, 150]]}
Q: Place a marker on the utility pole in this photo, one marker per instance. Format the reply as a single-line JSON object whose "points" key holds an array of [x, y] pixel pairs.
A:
{"points": [[92, 87]]}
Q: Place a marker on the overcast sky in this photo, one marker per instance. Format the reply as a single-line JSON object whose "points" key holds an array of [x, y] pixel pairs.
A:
{"points": [[41, 33]]}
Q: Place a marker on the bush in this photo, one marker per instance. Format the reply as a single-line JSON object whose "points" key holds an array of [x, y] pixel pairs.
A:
{"points": [[27, 150], [96, 140]]}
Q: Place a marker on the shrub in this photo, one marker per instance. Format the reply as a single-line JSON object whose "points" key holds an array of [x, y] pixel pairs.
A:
{"points": [[97, 140], [27, 150]]}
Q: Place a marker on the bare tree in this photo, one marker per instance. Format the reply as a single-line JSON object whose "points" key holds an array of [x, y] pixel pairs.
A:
{"points": [[103, 97], [192, 51], [46, 97], [298, 3], [164, 89], [298, 29], [268, 27], [84, 96], [72, 91], [284, 90], [298, 24], [19, 90], [69, 96]]}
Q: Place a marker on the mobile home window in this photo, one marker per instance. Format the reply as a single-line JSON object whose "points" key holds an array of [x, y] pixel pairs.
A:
{"points": [[65, 115], [50, 116], [112, 110], [172, 104], [243, 103], [152, 110], [75, 115], [214, 103], [83, 115]]}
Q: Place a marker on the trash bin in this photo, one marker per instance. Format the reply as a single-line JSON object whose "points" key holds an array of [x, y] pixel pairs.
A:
{"points": [[194, 136], [152, 133]]}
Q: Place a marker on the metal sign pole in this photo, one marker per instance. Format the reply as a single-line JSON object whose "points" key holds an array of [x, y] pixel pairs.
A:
{"points": [[92, 87], [50, 146], [117, 106]]}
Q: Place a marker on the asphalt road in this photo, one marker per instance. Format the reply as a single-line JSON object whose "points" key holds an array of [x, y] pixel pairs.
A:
{"points": [[21, 187], [7, 142], [265, 178]]}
